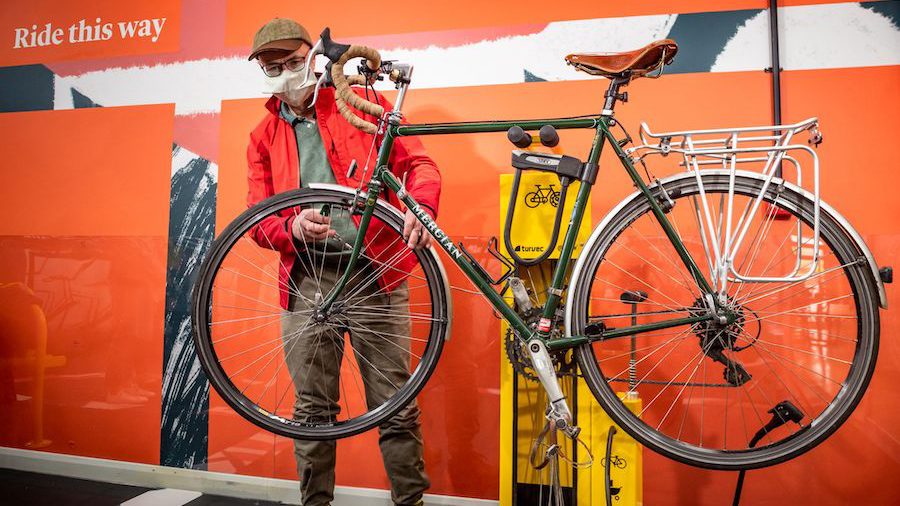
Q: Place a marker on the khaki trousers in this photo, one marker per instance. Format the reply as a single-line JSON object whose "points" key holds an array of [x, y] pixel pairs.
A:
{"points": [[380, 347]]}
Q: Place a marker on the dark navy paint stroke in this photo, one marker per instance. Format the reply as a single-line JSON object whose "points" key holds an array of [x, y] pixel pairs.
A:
{"points": [[531, 78], [702, 36], [184, 426], [80, 101], [889, 9], [26, 88]]}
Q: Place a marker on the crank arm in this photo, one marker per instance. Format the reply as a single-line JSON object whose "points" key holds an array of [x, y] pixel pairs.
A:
{"points": [[559, 412]]}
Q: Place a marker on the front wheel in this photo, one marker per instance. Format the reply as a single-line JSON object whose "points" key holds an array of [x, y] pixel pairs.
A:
{"points": [[801, 352], [286, 363]]}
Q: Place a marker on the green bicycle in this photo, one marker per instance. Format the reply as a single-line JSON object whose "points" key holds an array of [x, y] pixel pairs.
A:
{"points": [[758, 302]]}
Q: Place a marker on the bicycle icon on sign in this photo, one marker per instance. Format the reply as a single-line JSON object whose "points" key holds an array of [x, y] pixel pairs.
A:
{"points": [[616, 461], [541, 196]]}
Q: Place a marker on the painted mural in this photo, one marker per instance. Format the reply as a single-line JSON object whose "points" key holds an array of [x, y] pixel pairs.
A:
{"points": [[125, 128]]}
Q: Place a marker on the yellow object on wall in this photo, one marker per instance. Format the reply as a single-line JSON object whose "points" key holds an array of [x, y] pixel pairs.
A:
{"points": [[532, 223], [522, 406], [626, 473]]}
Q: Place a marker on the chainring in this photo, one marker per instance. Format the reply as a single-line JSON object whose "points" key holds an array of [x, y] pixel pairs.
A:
{"points": [[520, 359]]}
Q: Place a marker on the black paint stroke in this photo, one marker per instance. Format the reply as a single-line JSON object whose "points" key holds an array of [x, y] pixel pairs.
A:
{"points": [[184, 425]]}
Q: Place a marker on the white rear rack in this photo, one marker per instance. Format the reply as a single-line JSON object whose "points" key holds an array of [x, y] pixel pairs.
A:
{"points": [[768, 146]]}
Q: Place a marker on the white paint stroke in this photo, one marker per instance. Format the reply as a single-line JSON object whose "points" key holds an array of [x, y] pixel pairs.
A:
{"points": [[163, 497], [812, 37], [183, 157]]}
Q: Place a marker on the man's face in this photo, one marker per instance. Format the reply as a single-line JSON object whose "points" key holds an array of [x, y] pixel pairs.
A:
{"points": [[275, 61]]}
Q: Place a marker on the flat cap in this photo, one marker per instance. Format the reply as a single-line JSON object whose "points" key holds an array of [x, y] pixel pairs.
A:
{"points": [[279, 33]]}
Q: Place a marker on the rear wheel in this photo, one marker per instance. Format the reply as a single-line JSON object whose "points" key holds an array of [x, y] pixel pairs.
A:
{"points": [[707, 390]]}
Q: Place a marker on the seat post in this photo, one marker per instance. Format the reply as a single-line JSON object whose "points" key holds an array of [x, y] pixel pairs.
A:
{"points": [[612, 93]]}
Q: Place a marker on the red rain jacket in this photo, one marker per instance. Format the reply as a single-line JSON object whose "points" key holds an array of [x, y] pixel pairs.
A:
{"points": [[273, 167]]}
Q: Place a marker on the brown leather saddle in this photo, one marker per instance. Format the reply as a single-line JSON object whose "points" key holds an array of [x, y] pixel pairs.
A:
{"points": [[640, 61]]}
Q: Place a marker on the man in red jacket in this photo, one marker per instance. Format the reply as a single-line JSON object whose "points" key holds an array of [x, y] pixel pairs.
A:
{"points": [[298, 143]]}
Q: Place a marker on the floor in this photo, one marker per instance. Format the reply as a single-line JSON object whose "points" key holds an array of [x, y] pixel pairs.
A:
{"points": [[34, 489]]}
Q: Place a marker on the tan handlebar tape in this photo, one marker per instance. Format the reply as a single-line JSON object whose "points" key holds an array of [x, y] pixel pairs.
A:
{"points": [[347, 113], [345, 96]]}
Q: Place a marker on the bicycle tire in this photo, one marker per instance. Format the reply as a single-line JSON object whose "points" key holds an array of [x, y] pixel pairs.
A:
{"points": [[532, 200], [850, 269], [437, 302]]}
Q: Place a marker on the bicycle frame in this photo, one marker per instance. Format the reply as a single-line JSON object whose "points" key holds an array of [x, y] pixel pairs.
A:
{"points": [[382, 177]]}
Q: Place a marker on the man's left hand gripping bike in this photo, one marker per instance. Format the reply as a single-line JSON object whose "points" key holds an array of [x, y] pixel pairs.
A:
{"points": [[750, 337]]}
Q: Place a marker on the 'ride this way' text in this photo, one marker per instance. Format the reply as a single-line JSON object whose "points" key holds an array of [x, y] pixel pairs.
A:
{"points": [[83, 31]]}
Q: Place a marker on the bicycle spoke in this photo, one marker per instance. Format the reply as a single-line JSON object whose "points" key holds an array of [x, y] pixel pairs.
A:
{"points": [[217, 306], [273, 353], [216, 288], [361, 330], [289, 286], [812, 304], [775, 375], [836, 270], [649, 287], [217, 341], [679, 283], [790, 370], [272, 247]]}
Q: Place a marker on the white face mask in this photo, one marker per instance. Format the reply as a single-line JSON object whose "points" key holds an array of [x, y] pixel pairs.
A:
{"points": [[290, 86]]}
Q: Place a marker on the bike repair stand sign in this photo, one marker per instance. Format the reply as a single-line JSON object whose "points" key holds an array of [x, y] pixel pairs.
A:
{"points": [[536, 207], [522, 399]]}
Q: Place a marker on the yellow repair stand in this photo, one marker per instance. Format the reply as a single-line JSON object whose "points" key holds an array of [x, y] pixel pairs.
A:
{"points": [[523, 401]]}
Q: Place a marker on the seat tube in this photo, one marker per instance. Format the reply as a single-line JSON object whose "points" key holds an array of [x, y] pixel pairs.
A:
{"points": [[581, 200]]}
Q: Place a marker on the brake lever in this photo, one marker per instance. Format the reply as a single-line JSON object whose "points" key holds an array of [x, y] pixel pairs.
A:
{"points": [[321, 82], [311, 59]]}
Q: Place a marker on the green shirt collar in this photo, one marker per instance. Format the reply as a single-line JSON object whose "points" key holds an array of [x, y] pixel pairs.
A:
{"points": [[288, 115]]}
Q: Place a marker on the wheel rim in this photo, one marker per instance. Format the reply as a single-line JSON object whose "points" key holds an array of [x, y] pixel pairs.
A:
{"points": [[377, 346], [679, 417]]}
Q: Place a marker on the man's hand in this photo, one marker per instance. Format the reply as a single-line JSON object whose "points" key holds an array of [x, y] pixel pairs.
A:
{"points": [[414, 233], [310, 225]]}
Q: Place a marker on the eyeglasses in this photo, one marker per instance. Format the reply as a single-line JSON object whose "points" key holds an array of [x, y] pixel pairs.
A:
{"points": [[274, 69]]}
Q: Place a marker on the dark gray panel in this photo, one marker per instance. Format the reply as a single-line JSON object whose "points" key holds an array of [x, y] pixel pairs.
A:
{"points": [[26, 88], [702, 36]]}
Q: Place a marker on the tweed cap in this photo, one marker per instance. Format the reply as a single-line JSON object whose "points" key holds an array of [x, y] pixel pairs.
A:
{"points": [[279, 33]]}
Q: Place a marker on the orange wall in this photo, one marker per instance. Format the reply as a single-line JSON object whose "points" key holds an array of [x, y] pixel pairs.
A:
{"points": [[85, 196], [86, 226]]}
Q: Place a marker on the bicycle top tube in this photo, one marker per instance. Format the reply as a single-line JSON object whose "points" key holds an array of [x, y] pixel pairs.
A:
{"points": [[463, 127]]}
